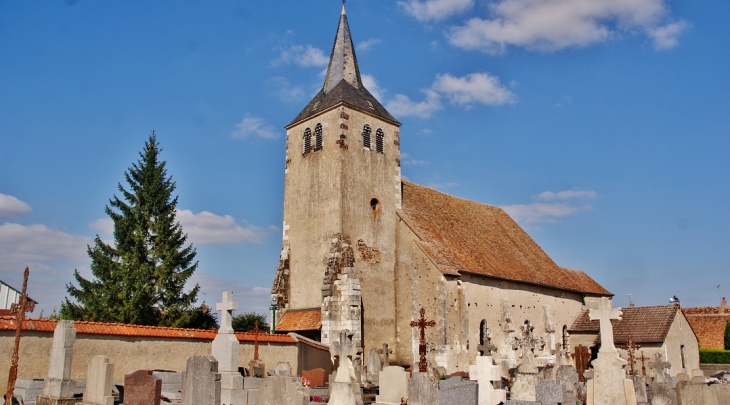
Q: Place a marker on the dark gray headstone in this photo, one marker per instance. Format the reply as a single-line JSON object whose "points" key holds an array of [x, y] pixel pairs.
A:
{"points": [[202, 382], [456, 391], [550, 392]]}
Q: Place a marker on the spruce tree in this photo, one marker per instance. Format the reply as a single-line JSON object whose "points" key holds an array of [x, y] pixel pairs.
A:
{"points": [[141, 278]]}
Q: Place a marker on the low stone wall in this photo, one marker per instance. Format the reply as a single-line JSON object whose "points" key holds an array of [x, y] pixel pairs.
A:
{"points": [[712, 369], [131, 353]]}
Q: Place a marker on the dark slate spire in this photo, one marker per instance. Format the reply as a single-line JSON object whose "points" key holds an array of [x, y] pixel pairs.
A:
{"points": [[343, 84], [343, 62]]}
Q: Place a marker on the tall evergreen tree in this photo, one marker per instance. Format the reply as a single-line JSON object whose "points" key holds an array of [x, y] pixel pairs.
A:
{"points": [[141, 278]]}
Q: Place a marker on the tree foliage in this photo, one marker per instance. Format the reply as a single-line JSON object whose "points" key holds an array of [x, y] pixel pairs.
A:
{"points": [[140, 279], [245, 322]]}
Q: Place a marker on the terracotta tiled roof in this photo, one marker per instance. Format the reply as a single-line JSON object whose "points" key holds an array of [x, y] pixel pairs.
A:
{"points": [[709, 325], [643, 324], [300, 320], [460, 235], [118, 329]]}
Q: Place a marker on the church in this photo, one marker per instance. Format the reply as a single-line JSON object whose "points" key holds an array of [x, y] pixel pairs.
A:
{"points": [[364, 250]]}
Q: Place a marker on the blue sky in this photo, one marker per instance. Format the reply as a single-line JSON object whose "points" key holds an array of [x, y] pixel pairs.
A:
{"points": [[601, 126]]}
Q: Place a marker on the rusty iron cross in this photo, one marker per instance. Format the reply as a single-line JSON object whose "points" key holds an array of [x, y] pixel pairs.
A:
{"points": [[643, 358], [581, 356], [421, 324], [19, 310], [256, 340], [631, 348]]}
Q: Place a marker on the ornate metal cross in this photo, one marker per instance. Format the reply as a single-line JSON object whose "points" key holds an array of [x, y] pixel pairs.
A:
{"points": [[581, 356], [643, 358], [256, 340], [19, 310], [631, 348], [421, 324]]}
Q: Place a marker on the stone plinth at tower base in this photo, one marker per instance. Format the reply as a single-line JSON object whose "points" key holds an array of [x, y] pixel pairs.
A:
{"points": [[609, 385]]}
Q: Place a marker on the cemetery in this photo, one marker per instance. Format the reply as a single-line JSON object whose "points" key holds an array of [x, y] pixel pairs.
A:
{"points": [[398, 294]]}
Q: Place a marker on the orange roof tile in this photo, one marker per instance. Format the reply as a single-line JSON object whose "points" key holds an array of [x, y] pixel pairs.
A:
{"points": [[118, 329], [643, 324], [460, 235], [299, 320], [709, 325]]}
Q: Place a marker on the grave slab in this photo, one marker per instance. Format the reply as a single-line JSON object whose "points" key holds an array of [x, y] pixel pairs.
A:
{"points": [[280, 390], [422, 390], [142, 387], [393, 385], [99, 381], [202, 382]]}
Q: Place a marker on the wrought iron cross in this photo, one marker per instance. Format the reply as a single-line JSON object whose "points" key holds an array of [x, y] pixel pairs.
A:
{"points": [[421, 324], [643, 358], [631, 348], [19, 311], [256, 340], [581, 356]]}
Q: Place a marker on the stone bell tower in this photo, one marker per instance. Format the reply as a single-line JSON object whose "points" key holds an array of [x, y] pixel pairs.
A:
{"points": [[341, 191]]}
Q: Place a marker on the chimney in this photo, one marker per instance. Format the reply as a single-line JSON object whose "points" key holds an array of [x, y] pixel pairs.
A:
{"points": [[724, 302]]}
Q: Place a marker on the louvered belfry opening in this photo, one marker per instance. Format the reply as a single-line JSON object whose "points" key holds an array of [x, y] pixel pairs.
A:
{"points": [[366, 136], [318, 137], [307, 141], [380, 141]]}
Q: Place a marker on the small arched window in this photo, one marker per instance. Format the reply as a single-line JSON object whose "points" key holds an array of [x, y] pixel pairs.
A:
{"points": [[318, 137], [307, 141], [379, 141], [366, 136]]}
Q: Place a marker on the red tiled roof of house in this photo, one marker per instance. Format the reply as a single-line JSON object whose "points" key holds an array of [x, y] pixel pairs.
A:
{"points": [[643, 324], [709, 325], [300, 320], [118, 329], [460, 235]]}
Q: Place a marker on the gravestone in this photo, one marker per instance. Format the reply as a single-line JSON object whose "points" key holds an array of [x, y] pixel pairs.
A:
{"points": [[142, 388], [660, 390], [281, 368], [526, 375], [423, 390], [373, 367], [609, 385], [201, 382], [344, 390], [569, 376], [486, 374], [386, 354], [696, 393], [640, 389], [393, 385], [550, 392], [317, 377], [99, 381], [281, 390], [59, 388], [457, 391], [171, 385], [225, 349]]}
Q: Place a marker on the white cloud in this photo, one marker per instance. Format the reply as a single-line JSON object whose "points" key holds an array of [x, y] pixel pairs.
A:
{"points": [[38, 243], [206, 228], [550, 206], [407, 160], [284, 90], [402, 106], [254, 126], [367, 44], [302, 55], [667, 36], [548, 25], [103, 225], [369, 82], [473, 88], [434, 9], [11, 207]]}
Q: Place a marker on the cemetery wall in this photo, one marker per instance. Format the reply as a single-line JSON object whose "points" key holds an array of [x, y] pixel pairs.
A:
{"points": [[131, 353]]}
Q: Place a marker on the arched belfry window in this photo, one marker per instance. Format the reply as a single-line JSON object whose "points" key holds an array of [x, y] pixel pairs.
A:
{"points": [[307, 141], [379, 141], [318, 137], [366, 136]]}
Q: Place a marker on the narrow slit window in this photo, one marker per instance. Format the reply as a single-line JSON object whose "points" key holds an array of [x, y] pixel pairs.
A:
{"points": [[379, 141], [366, 136], [307, 141], [318, 137]]}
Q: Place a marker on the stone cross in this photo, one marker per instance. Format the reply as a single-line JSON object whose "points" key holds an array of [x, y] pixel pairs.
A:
{"points": [[226, 307], [581, 356], [344, 350], [385, 352], [604, 314], [528, 344], [19, 310], [631, 348], [256, 340], [421, 324], [661, 368], [485, 374], [485, 346], [642, 358]]}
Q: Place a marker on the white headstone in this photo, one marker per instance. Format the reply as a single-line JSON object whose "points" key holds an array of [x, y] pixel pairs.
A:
{"points": [[99, 380], [485, 373], [373, 366], [609, 385], [225, 349], [393, 385]]}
